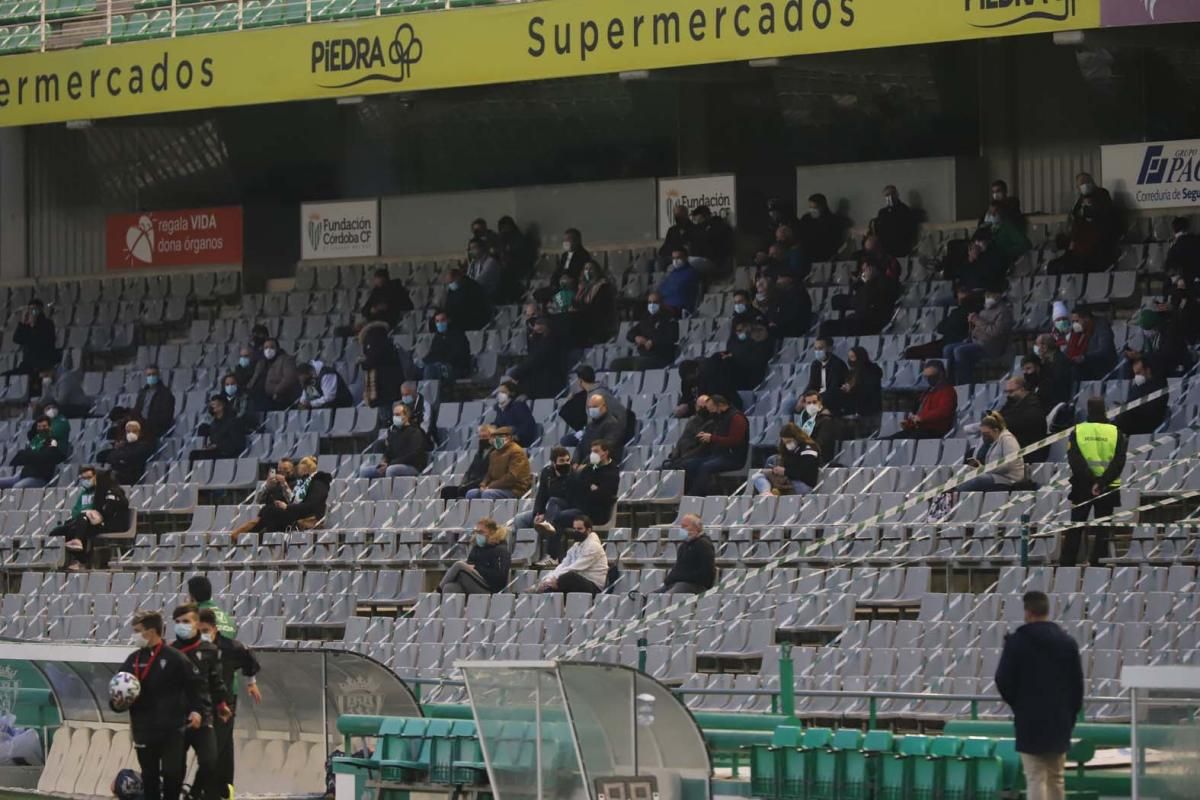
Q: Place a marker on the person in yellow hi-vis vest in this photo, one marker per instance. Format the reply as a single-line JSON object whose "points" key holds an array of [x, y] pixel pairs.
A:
{"points": [[1096, 453]]}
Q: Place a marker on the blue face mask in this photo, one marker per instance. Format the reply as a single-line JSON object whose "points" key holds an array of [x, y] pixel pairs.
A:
{"points": [[480, 540], [453, 286], [184, 630], [230, 389], [152, 380], [442, 327], [244, 361], [86, 483], [742, 336], [407, 399], [593, 413]]}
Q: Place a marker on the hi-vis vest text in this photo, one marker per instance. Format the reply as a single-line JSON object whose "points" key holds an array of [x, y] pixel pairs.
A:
{"points": [[1097, 443]]}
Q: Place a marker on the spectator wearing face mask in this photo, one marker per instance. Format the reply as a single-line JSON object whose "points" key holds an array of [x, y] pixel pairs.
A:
{"points": [[1007, 234], [63, 388], [936, 411], [794, 469], [543, 370], [570, 264], [574, 410], [594, 320], [155, 405], [1060, 323], [895, 224], [100, 507], [306, 509], [1165, 343], [384, 370], [1008, 206], [551, 496], [128, 458], [689, 445], [60, 427], [508, 474], [488, 562], [418, 408], [387, 301], [867, 309], [244, 369], [483, 267], [36, 336], [466, 302], [863, 389], [695, 569], [240, 403], [403, 446], [1146, 418], [826, 375], [449, 354], [591, 488], [654, 336], [224, 434], [747, 354], [276, 382], [998, 447], [1054, 382], [822, 233], [1090, 346], [585, 566], [38, 460], [322, 387], [678, 238], [513, 412], [728, 444], [817, 422], [602, 425], [745, 312], [991, 329], [712, 243], [1094, 229], [680, 288]]}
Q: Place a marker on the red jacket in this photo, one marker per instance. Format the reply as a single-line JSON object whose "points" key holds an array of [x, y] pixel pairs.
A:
{"points": [[937, 409]]}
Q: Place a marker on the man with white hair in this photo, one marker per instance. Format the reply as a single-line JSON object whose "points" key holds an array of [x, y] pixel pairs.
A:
{"points": [[695, 569]]}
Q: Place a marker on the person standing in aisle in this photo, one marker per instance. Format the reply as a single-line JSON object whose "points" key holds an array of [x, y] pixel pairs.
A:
{"points": [[235, 658], [203, 740]]}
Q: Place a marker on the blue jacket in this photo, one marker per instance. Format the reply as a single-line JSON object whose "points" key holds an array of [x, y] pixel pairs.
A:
{"points": [[518, 417], [1041, 678], [681, 288]]}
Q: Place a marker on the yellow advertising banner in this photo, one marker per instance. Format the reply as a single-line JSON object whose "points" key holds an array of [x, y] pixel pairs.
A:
{"points": [[497, 44]]}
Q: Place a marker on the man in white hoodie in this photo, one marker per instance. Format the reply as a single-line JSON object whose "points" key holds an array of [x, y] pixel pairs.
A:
{"points": [[585, 566]]}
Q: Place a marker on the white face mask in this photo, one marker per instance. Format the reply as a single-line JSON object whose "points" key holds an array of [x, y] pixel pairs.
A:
{"points": [[502, 398], [1086, 189], [398, 420], [131, 437], [1077, 327], [207, 637], [1037, 350], [989, 302], [761, 297], [677, 262], [813, 409], [1139, 380], [652, 308], [790, 446], [137, 640], [52, 413], [739, 308], [269, 353], [594, 458]]}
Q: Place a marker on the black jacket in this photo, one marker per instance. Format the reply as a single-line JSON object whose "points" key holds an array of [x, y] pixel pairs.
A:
{"points": [[207, 658], [836, 373], [695, 563], [1041, 678], [40, 463], [235, 657], [662, 331], [542, 373], [492, 562], [1026, 419], [451, 348], [679, 237], [315, 498], [550, 484], [227, 435], [468, 306], [713, 240], [128, 460], [387, 303], [822, 237], [1055, 383], [748, 359], [1145, 418], [38, 349], [405, 445], [381, 358], [872, 305], [865, 397], [897, 227], [593, 490], [569, 263], [161, 414], [608, 428], [802, 464], [172, 688], [1184, 257], [789, 313]]}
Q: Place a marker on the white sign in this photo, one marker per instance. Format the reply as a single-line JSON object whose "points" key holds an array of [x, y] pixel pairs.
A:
{"points": [[715, 191], [1153, 174], [339, 230]]}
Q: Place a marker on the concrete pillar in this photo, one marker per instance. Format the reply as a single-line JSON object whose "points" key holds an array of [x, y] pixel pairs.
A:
{"points": [[13, 219]]}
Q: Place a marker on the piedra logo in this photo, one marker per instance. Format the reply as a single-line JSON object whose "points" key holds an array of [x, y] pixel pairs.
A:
{"points": [[390, 62], [1006, 13]]}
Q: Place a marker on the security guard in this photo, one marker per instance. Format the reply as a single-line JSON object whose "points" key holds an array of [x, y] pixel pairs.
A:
{"points": [[1096, 452]]}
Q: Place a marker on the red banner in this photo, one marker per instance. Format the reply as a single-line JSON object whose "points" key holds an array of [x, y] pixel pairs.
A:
{"points": [[189, 237]]}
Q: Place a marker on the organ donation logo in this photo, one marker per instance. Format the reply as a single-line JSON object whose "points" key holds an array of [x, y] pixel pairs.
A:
{"points": [[184, 238], [139, 241]]}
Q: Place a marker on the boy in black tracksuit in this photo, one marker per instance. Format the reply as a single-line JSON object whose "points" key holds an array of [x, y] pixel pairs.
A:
{"points": [[174, 698], [235, 656], [203, 740]]}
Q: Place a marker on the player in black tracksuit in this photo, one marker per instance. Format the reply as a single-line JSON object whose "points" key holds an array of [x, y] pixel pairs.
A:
{"points": [[173, 698], [203, 740], [235, 657]]}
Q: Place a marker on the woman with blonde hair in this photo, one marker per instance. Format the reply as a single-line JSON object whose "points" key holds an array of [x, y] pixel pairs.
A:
{"points": [[310, 494], [486, 569], [795, 469], [998, 445]]}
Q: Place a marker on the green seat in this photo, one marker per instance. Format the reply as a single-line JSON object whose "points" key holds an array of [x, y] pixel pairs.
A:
{"points": [[928, 773], [443, 748], [896, 774], [251, 11], [203, 19], [16, 41], [362, 8], [1013, 778], [294, 12], [4, 35], [135, 25], [468, 765], [831, 764], [271, 13], [28, 11], [767, 761], [324, 9], [226, 18], [118, 27], [185, 18], [160, 25], [863, 766], [984, 771], [7, 10], [814, 742]]}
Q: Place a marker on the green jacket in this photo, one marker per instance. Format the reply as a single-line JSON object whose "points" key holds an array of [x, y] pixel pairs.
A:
{"points": [[225, 624]]}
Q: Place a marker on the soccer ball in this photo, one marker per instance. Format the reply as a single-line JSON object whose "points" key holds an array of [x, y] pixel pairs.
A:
{"points": [[124, 689]]}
